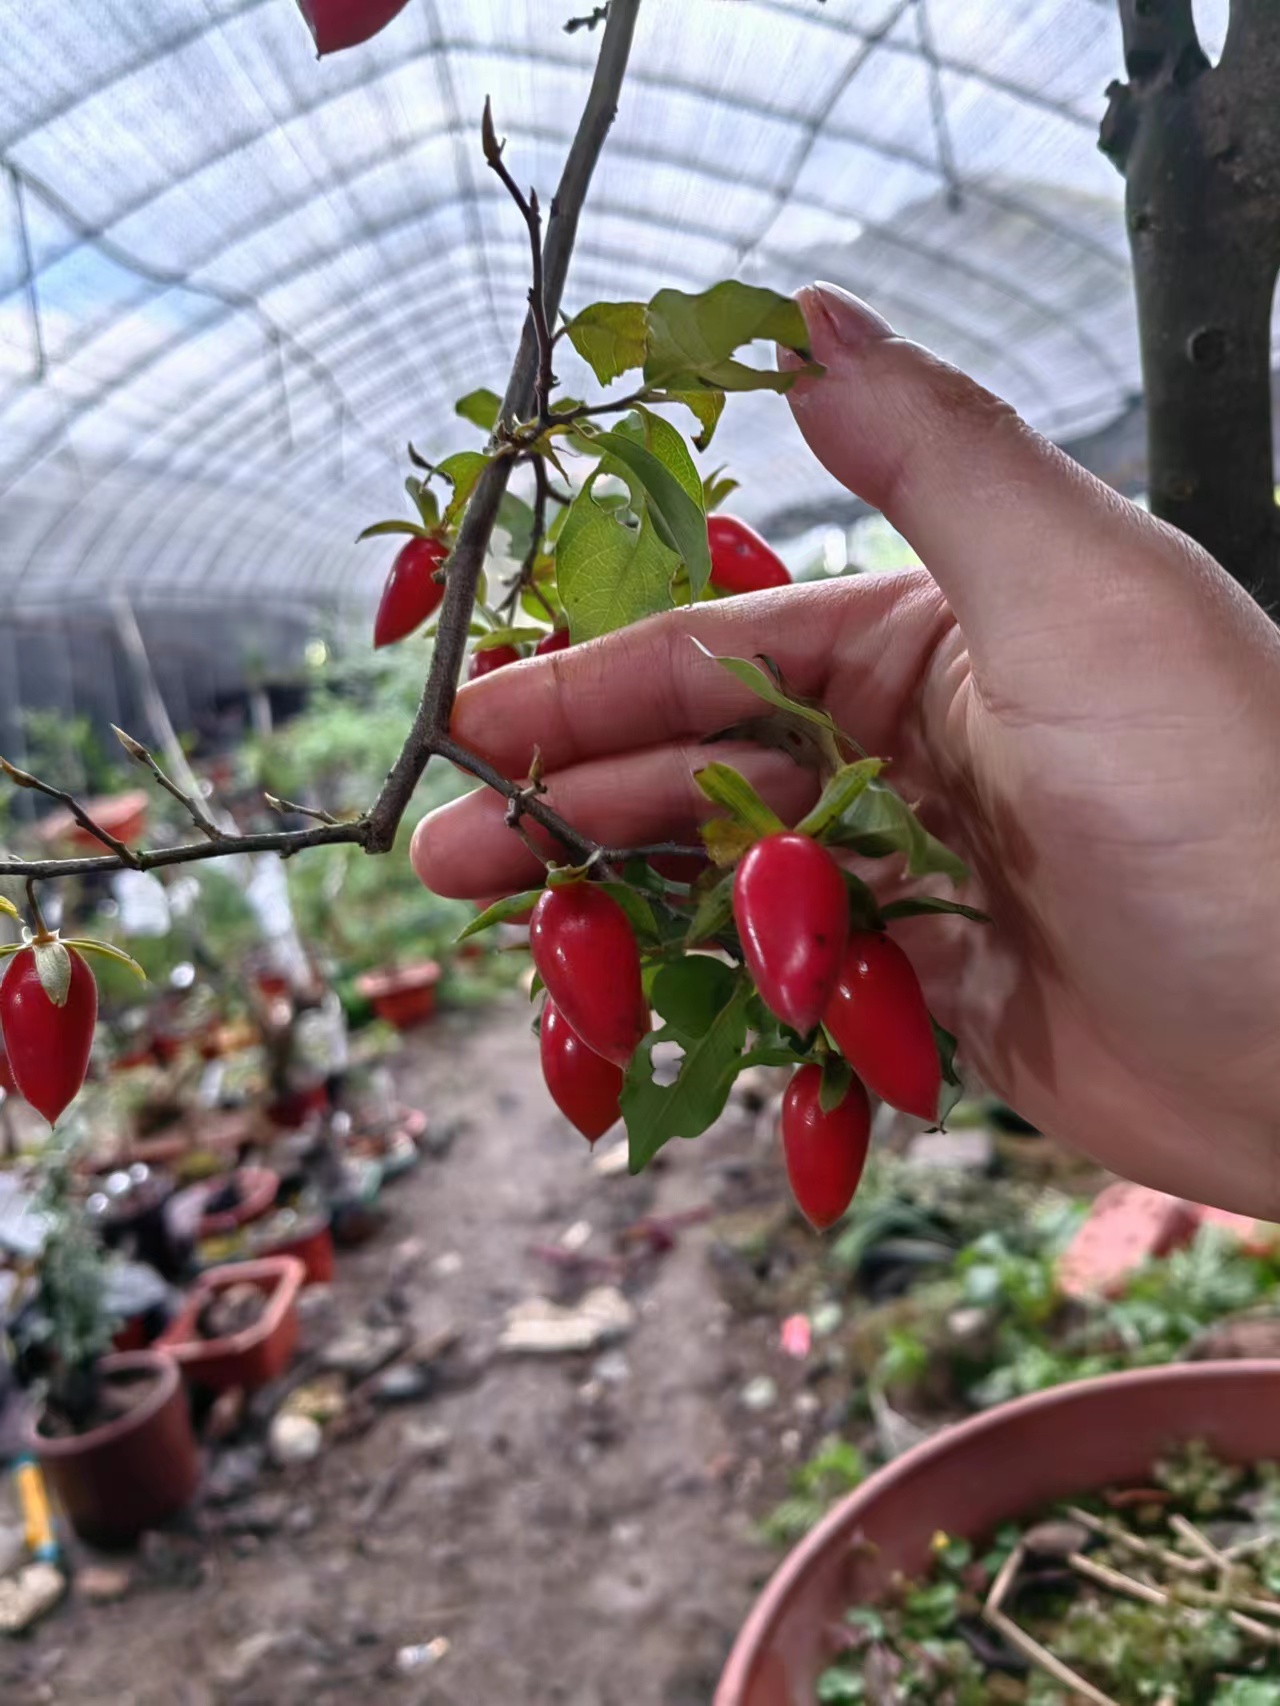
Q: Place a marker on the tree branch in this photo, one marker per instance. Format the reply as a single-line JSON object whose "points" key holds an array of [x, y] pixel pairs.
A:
{"points": [[1200, 153], [376, 831], [139, 754], [23, 779]]}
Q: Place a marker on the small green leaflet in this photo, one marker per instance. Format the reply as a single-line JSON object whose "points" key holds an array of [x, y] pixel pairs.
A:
{"points": [[706, 407], [480, 408], [510, 906], [692, 338], [508, 637], [921, 905], [663, 468], [610, 337], [762, 684], [8, 908], [725, 786], [838, 795], [423, 500], [108, 952], [836, 1079], [879, 823], [609, 574], [716, 488], [952, 1089], [380, 527], [704, 1003], [712, 914], [463, 469], [639, 912]]}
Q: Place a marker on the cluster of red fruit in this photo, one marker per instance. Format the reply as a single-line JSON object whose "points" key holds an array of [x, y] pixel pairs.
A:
{"points": [[791, 909], [740, 562]]}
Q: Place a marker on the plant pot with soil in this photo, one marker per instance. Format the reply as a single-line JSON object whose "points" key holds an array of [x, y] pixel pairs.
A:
{"points": [[305, 1236], [239, 1326], [403, 996], [232, 1200], [1014, 1462], [112, 1433]]}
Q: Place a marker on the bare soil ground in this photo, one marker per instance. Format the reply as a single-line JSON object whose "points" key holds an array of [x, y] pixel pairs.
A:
{"points": [[585, 1536]]}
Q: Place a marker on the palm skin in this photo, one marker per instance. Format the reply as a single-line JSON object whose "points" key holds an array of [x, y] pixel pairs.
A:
{"points": [[1080, 701]]}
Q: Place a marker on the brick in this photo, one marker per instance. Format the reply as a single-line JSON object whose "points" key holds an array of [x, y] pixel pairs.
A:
{"points": [[1127, 1225]]}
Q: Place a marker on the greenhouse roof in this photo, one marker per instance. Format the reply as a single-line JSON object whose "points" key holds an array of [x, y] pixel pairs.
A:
{"points": [[235, 281]]}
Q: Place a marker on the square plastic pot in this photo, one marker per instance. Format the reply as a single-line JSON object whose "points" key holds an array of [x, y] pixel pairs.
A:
{"points": [[253, 1357]]}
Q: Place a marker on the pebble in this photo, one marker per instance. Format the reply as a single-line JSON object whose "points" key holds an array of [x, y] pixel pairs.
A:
{"points": [[446, 1266], [234, 1473], [611, 1369], [421, 1654], [359, 1351], [403, 1383], [103, 1584], [543, 1328], [28, 1595], [294, 1439], [760, 1393]]}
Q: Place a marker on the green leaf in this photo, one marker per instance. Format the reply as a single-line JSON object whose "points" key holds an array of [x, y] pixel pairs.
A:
{"points": [[53, 963], [515, 518], [879, 823], [654, 1113], [610, 337], [480, 408], [463, 469], [510, 906], [762, 684], [610, 574], [952, 1088], [381, 527], [692, 338], [838, 795], [508, 637], [670, 482], [108, 952], [726, 787], [713, 913], [928, 903], [706, 407], [8, 908], [639, 912], [716, 488], [836, 1079], [690, 992], [423, 500]]}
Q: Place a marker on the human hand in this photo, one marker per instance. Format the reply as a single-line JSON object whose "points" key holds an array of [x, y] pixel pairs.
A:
{"points": [[1082, 703]]}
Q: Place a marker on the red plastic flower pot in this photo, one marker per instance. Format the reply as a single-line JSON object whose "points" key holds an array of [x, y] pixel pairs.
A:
{"points": [[1008, 1463], [403, 997], [121, 815], [134, 1472], [258, 1187], [253, 1357]]}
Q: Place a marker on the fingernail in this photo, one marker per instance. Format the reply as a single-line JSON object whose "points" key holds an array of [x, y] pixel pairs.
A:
{"points": [[851, 320]]}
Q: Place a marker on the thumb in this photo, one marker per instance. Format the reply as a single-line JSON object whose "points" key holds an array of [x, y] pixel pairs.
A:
{"points": [[1016, 534]]}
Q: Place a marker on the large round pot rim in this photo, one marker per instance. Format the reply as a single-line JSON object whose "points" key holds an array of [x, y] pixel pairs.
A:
{"points": [[839, 1522], [159, 1363]]}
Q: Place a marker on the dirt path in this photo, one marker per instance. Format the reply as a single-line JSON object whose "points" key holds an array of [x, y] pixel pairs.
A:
{"points": [[581, 1539]]}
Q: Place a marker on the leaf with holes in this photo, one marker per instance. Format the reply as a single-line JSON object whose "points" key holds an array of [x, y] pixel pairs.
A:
{"points": [[610, 337], [609, 573], [706, 407], [692, 339], [711, 1002], [662, 469]]}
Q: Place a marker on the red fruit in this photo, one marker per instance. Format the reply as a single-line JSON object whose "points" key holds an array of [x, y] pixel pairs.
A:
{"points": [[880, 1024], [583, 1084], [497, 657], [792, 913], [48, 1046], [586, 955], [556, 641], [411, 592], [825, 1153], [740, 559], [336, 24]]}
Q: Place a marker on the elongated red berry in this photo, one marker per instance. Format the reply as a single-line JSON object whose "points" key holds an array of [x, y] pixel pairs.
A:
{"points": [[825, 1153], [412, 592], [880, 1024], [48, 1046], [586, 954], [496, 657], [335, 24], [792, 913], [583, 1084], [740, 559], [556, 641]]}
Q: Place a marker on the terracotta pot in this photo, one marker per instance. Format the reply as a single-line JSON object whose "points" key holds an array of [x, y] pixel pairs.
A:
{"points": [[311, 1243], [121, 815], [1008, 1463], [132, 1473], [258, 1188], [257, 1355], [403, 997]]}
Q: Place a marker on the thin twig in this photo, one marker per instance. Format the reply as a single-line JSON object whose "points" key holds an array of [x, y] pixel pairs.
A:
{"points": [[24, 779], [1030, 1648], [139, 754], [1117, 1581], [532, 215], [283, 806], [1135, 1543]]}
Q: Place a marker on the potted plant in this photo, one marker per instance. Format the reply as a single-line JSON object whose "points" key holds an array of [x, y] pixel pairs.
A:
{"points": [[1007, 1463], [239, 1325], [402, 995], [112, 1432]]}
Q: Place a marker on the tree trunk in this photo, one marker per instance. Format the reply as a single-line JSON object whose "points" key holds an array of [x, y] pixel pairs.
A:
{"points": [[1199, 147]]}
